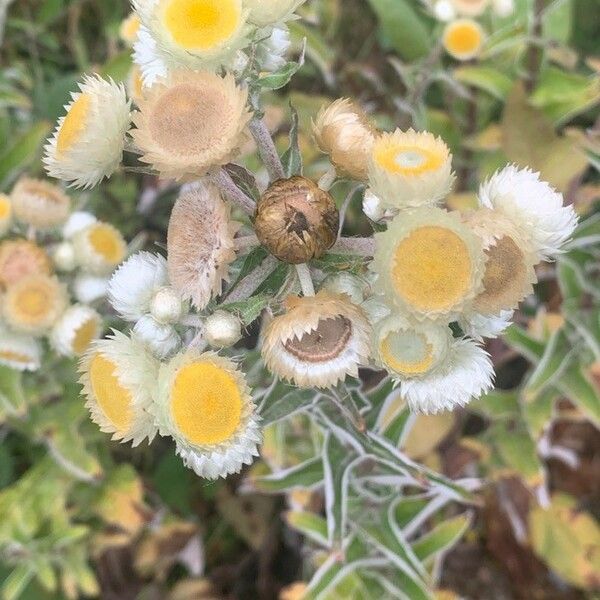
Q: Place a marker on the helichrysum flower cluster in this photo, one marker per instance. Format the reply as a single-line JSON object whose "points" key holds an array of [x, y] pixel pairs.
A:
{"points": [[439, 281], [54, 265]]}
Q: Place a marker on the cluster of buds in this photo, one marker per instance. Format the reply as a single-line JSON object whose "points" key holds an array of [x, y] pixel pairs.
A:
{"points": [[430, 270], [54, 269]]}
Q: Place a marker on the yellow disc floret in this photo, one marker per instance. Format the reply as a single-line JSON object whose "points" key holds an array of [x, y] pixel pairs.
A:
{"points": [[84, 336], [202, 24], [463, 39], [106, 243], [5, 207], [114, 399], [406, 352], [206, 403], [408, 159], [74, 124]]}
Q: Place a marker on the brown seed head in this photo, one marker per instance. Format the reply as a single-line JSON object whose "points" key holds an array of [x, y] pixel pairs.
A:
{"points": [[296, 220]]}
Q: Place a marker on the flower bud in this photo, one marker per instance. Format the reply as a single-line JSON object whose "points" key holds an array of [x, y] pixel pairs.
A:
{"points": [[166, 306], [64, 257], [162, 340], [346, 283], [444, 11], [222, 329], [296, 221], [372, 206]]}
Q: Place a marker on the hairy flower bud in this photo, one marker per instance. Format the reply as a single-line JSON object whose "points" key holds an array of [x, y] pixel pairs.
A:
{"points": [[223, 329], [296, 220]]}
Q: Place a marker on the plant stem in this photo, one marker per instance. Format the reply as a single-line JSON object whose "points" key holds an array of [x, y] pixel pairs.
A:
{"points": [[232, 192], [326, 182], [245, 288], [535, 53], [354, 245], [306, 282], [266, 149]]}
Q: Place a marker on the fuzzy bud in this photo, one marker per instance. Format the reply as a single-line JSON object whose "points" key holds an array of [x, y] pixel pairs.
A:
{"points": [[222, 329], [372, 206], [346, 283], [64, 257], [296, 220], [166, 306]]}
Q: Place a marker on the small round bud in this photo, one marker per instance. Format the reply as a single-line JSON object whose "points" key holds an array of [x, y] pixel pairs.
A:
{"points": [[346, 283], [163, 340], [166, 306], [222, 329], [296, 220], [372, 206], [444, 11], [64, 257]]}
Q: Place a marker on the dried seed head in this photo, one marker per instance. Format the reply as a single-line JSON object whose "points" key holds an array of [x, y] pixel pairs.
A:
{"points": [[296, 220]]}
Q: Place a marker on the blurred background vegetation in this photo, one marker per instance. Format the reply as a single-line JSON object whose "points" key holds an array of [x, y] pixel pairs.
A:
{"points": [[82, 517]]}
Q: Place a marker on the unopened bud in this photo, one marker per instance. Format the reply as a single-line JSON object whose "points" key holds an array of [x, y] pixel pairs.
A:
{"points": [[222, 329]]}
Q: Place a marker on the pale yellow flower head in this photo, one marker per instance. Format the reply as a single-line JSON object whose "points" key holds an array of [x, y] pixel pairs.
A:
{"points": [[76, 329], [408, 169], [99, 248], [429, 264], [34, 304], [191, 123], [463, 39], [19, 351], [343, 131], [39, 203], [20, 258], [269, 12]]}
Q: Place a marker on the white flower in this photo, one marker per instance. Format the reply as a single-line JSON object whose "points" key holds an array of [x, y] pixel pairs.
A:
{"points": [[118, 378], [503, 8], [443, 10], [204, 404], [89, 288], [268, 12], [467, 373], [146, 57], [76, 222], [63, 256], [88, 142], [409, 169], [533, 206], [99, 248], [479, 326], [133, 285], [162, 339], [73, 333], [193, 34], [271, 52], [222, 329], [19, 351]]}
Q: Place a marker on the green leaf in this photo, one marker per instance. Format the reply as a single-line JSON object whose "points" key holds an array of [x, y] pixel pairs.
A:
{"points": [[485, 78], [305, 475], [581, 390], [497, 404], [538, 412], [280, 78], [22, 152], [518, 451], [441, 537], [284, 400], [292, 158], [14, 585], [402, 28], [248, 310], [520, 340], [309, 524], [12, 397]]}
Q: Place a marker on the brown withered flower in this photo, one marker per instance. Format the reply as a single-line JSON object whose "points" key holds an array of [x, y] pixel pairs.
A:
{"points": [[296, 220]]}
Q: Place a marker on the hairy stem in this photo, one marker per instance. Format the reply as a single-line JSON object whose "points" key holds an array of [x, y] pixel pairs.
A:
{"points": [[306, 282], [535, 53], [245, 288], [232, 192], [266, 149], [354, 245]]}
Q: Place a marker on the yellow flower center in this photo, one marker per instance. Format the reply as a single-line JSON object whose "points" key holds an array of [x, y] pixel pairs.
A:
{"points": [[84, 335], [463, 38], [107, 243], [408, 160], [114, 399], [5, 207], [406, 352], [432, 268], [206, 403], [14, 357], [202, 24], [74, 123], [505, 277]]}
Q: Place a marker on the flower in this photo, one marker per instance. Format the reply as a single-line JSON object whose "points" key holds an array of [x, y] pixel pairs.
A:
{"points": [[89, 288], [162, 339], [118, 377], [270, 53], [200, 243], [534, 208], [99, 248], [204, 404], [222, 329], [268, 12], [463, 39], [6, 214], [76, 329], [479, 326], [63, 257], [509, 269], [346, 283], [296, 220], [76, 222], [18, 351], [190, 123], [135, 84], [466, 373], [130, 26], [443, 10], [133, 285], [470, 8], [20, 258], [342, 131], [147, 59], [408, 350], [503, 8], [195, 34], [39, 204], [34, 303], [318, 340], [409, 169], [428, 264], [88, 141]]}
